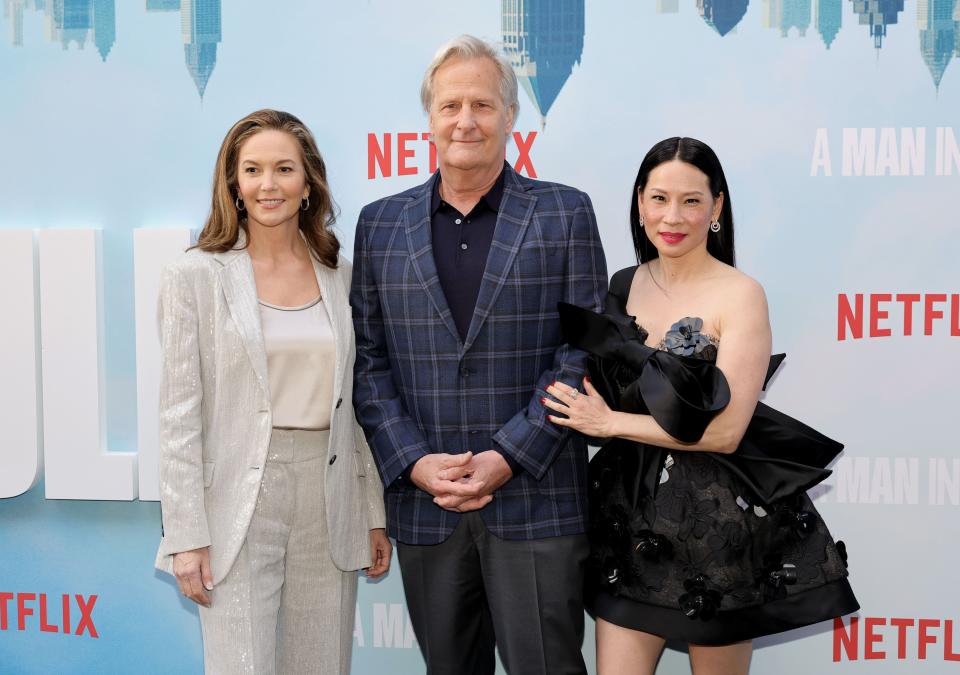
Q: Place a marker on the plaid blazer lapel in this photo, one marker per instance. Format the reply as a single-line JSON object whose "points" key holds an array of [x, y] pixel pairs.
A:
{"points": [[516, 209], [416, 221]]}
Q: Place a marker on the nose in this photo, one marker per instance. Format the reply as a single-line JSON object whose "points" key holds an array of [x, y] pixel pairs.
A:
{"points": [[269, 180], [672, 216], [466, 120]]}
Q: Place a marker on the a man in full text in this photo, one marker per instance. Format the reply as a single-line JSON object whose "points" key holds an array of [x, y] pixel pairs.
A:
{"points": [[455, 291]]}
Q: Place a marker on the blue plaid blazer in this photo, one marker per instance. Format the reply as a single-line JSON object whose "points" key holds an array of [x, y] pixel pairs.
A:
{"points": [[420, 389]]}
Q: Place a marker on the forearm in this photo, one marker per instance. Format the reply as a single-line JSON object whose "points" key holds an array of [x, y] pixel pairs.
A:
{"points": [[719, 436]]}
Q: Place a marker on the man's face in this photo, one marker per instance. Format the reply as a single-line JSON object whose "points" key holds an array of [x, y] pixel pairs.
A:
{"points": [[468, 119]]}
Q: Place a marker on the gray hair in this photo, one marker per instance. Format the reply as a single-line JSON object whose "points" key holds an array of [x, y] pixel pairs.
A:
{"points": [[470, 47]]}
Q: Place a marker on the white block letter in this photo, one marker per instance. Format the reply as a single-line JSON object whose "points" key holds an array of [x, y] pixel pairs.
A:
{"points": [[20, 440], [76, 464]]}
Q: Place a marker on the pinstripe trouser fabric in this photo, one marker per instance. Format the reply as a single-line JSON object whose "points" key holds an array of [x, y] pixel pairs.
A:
{"points": [[284, 608]]}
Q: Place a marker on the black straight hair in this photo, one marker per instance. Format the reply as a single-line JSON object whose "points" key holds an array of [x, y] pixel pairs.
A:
{"points": [[698, 154]]}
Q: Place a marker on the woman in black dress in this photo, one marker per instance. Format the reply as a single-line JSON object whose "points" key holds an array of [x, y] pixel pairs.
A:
{"points": [[701, 529]]}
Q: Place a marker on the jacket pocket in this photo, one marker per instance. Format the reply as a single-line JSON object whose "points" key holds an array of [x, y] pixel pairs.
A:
{"points": [[208, 473], [359, 464]]}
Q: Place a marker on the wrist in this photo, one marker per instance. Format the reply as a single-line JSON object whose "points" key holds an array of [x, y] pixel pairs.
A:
{"points": [[615, 424]]}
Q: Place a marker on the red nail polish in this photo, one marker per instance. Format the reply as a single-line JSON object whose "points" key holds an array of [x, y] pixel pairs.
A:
{"points": [[543, 399]]}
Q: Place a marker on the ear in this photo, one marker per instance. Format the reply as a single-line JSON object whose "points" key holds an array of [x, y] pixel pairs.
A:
{"points": [[511, 115], [717, 207]]}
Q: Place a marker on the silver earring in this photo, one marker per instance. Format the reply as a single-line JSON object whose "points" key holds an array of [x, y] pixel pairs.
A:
{"points": [[641, 220], [305, 203], [715, 226], [239, 203]]}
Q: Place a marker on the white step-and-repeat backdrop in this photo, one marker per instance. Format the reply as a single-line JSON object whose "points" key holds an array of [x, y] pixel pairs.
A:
{"points": [[837, 124]]}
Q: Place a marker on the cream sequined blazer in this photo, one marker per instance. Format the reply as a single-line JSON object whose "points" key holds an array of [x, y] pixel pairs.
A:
{"points": [[215, 417]]}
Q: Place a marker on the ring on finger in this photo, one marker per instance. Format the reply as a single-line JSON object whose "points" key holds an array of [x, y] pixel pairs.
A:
{"points": [[574, 393]]}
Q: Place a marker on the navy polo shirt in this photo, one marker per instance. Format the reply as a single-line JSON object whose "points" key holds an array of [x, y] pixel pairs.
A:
{"points": [[461, 244]]}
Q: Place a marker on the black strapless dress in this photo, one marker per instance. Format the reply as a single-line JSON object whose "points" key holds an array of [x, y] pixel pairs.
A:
{"points": [[700, 547]]}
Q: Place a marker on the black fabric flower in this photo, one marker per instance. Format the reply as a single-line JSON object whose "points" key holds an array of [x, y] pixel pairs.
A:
{"points": [[700, 601], [684, 338], [775, 576], [652, 547], [842, 551]]}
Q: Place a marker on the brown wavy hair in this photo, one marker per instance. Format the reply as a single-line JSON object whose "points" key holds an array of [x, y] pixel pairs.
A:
{"points": [[222, 229]]}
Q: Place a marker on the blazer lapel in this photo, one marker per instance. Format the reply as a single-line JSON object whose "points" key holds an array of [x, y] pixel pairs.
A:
{"points": [[335, 300], [516, 209], [416, 221], [240, 290]]}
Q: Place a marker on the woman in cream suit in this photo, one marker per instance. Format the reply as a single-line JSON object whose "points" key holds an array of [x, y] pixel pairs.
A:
{"points": [[269, 496]]}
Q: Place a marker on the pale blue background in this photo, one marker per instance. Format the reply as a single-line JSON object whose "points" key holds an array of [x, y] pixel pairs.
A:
{"points": [[126, 142]]}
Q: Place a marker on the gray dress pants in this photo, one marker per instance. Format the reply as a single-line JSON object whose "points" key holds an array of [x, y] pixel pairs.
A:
{"points": [[475, 591], [284, 607]]}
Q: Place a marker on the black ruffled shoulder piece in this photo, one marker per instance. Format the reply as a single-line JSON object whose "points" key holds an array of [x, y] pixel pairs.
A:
{"points": [[779, 456], [681, 394]]}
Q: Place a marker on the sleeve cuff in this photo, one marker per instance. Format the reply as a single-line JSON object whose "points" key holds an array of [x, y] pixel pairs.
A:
{"points": [[511, 462]]}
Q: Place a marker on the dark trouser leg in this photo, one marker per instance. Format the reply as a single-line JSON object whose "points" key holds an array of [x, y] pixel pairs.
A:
{"points": [[443, 585], [535, 592]]}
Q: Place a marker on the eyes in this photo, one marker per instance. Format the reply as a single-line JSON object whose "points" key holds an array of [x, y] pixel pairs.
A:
{"points": [[692, 201], [454, 106], [253, 170]]}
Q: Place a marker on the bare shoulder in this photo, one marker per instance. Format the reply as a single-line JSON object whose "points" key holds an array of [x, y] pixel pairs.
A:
{"points": [[742, 301], [739, 288]]}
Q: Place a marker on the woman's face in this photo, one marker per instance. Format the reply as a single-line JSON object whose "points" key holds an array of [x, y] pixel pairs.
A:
{"points": [[271, 179], [677, 208]]}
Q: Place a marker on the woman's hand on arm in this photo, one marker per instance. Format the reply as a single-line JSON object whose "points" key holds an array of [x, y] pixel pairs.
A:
{"points": [[743, 357], [192, 570], [380, 552]]}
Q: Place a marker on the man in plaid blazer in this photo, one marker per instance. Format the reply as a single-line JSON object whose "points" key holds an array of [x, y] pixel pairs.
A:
{"points": [[455, 291]]}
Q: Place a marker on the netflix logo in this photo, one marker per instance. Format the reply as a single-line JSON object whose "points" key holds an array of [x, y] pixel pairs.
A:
{"points": [[875, 638], [870, 314], [409, 154], [67, 614]]}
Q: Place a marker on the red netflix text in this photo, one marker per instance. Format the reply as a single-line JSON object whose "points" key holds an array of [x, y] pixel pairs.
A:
{"points": [[876, 638], [403, 153], [34, 611], [869, 314]]}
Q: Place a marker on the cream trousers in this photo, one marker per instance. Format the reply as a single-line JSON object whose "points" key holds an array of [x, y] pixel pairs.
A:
{"points": [[284, 608]]}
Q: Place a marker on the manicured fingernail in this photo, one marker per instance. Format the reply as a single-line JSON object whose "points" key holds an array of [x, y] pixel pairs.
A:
{"points": [[543, 399]]}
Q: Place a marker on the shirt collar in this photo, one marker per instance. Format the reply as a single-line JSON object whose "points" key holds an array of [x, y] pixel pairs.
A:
{"points": [[491, 200]]}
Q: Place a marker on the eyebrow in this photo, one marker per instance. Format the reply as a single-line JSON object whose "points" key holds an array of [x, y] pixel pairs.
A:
{"points": [[685, 194], [280, 161]]}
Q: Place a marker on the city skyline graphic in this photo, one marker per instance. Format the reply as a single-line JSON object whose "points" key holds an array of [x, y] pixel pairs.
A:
{"points": [[543, 39], [75, 23]]}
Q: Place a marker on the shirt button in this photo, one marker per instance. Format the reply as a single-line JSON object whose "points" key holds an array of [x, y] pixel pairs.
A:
{"points": [[458, 221], [339, 402], [463, 246], [333, 459]]}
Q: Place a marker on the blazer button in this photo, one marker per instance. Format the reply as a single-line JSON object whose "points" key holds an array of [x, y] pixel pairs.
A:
{"points": [[339, 401], [333, 459]]}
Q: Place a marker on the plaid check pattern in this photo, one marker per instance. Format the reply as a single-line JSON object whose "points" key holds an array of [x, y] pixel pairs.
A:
{"points": [[420, 389]]}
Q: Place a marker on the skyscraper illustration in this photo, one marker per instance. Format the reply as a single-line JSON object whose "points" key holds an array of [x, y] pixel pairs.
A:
{"points": [[722, 15], [13, 12], [786, 14], [73, 21], [104, 26], [877, 14], [543, 40], [200, 27], [668, 6], [938, 35], [956, 20], [828, 16]]}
